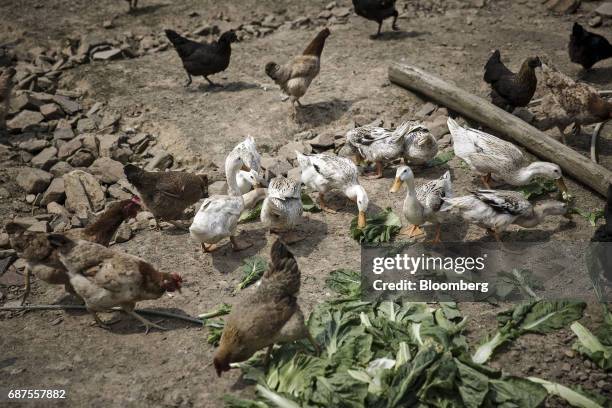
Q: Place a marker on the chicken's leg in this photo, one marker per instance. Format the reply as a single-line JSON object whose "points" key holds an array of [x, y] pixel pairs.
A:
{"points": [[437, 239], [188, 80], [211, 83], [147, 323], [378, 31], [379, 172], [324, 205], [26, 292], [237, 246], [209, 247], [394, 26]]}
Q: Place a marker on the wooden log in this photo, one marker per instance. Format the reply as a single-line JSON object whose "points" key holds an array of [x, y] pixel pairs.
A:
{"points": [[574, 164]]}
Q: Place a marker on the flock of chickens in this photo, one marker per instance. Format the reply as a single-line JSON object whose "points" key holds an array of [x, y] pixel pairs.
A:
{"points": [[269, 313]]}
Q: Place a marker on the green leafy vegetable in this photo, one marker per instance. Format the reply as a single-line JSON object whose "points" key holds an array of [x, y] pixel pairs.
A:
{"points": [[380, 228], [591, 217], [540, 317], [253, 269], [574, 398], [215, 329], [308, 204], [592, 347], [538, 187], [250, 215], [221, 310], [346, 283], [441, 158]]}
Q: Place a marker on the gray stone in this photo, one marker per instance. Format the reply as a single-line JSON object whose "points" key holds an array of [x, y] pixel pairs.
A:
{"points": [[324, 14], [108, 144], [63, 133], [305, 135], [45, 159], [437, 126], [595, 21], [4, 240], [51, 111], [40, 226], [30, 198], [68, 105], [83, 193], [24, 120], [287, 151], [69, 148], [605, 9], [60, 168], [162, 161], [115, 191], [55, 208], [107, 170], [33, 180], [107, 55], [91, 143], [217, 188], [110, 120], [55, 192], [341, 12], [34, 145], [426, 110], [124, 233], [323, 142], [82, 158], [275, 167], [295, 174], [86, 125]]}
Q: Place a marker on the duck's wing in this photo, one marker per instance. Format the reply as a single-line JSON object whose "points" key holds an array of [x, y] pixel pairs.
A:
{"points": [[433, 193], [338, 170], [504, 201], [283, 188]]}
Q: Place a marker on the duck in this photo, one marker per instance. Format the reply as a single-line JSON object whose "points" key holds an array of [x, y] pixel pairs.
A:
{"points": [[420, 146], [496, 210], [325, 172], [218, 215], [244, 156], [282, 208], [422, 204], [378, 145], [495, 159], [248, 180]]}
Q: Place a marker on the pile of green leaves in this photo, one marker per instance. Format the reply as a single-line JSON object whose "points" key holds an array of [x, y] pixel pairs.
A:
{"points": [[441, 158], [389, 354], [597, 347], [381, 227], [541, 317], [215, 327], [253, 269], [591, 216], [538, 187]]}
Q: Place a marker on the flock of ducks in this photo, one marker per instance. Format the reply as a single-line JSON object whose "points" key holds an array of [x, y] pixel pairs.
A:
{"points": [[493, 159]]}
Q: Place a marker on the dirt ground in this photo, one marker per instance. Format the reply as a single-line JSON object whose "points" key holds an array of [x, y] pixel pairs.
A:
{"points": [[125, 367]]}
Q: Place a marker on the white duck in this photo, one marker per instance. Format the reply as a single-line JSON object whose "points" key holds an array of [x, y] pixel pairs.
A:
{"points": [[324, 172], [494, 158], [248, 180], [422, 204], [420, 146], [496, 210], [282, 208], [243, 157], [218, 216], [377, 144]]}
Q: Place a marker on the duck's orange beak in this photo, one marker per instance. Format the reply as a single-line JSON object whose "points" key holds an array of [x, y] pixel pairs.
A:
{"points": [[397, 185], [361, 220]]}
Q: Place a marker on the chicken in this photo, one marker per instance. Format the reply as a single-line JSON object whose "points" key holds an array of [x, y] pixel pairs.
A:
{"points": [[203, 59], [167, 194], [570, 102], [377, 10], [105, 278], [268, 314], [599, 255], [44, 262], [6, 86], [510, 90], [132, 4], [295, 76], [586, 48]]}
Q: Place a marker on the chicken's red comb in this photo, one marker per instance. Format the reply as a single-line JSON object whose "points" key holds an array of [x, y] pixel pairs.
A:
{"points": [[136, 200], [176, 277]]}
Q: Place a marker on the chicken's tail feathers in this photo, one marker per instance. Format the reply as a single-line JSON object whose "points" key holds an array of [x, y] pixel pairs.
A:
{"points": [[174, 37], [577, 30], [131, 172], [272, 69], [493, 61]]}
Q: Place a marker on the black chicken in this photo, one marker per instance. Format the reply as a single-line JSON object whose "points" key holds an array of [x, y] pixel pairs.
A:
{"points": [[377, 10], [586, 48], [133, 4], [203, 59], [510, 90]]}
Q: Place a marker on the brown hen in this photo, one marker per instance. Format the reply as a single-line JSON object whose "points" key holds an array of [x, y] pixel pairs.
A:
{"points": [[295, 76], [6, 86], [269, 314], [167, 194]]}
